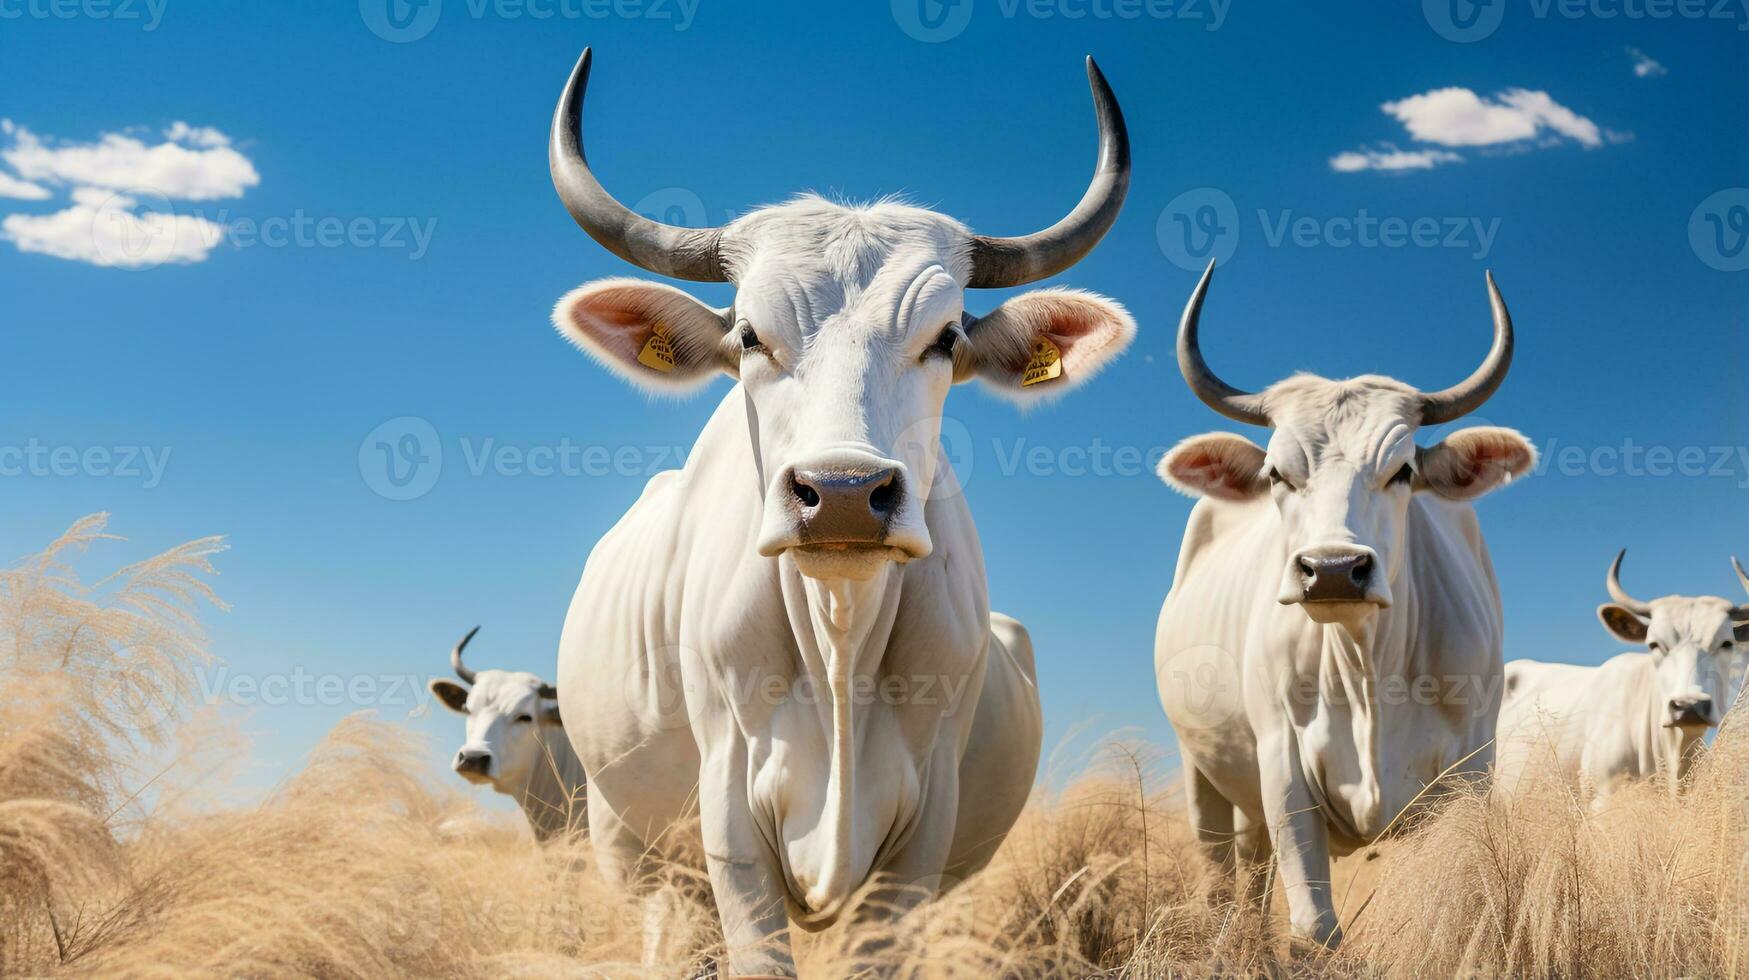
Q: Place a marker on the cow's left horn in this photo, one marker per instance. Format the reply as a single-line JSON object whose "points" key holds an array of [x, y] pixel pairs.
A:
{"points": [[455, 657], [999, 262], [683, 253], [1619, 594], [1741, 612], [1453, 403]]}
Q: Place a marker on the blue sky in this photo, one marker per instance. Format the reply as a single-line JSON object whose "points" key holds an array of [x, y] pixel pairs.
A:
{"points": [[253, 369]]}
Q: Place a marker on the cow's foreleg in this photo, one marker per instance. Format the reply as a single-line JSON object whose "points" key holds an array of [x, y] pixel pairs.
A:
{"points": [[744, 880], [1301, 840]]}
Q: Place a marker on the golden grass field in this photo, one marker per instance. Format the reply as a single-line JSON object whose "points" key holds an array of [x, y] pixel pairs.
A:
{"points": [[114, 862]]}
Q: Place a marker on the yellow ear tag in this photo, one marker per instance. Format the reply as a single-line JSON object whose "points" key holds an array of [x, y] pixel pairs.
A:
{"points": [[658, 352], [1046, 364]]}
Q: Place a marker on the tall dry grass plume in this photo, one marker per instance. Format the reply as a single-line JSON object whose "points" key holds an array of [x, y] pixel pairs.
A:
{"points": [[366, 864]]}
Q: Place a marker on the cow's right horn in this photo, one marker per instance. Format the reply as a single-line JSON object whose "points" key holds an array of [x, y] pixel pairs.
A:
{"points": [[455, 657], [1215, 393], [683, 253], [1619, 594], [1741, 612]]}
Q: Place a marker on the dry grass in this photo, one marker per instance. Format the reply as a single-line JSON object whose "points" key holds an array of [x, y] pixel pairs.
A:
{"points": [[355, 867]]}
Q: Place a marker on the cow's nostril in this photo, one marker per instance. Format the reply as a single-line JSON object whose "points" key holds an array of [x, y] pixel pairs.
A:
{"points": [[808, 496], [1306, 570], [883, 498], [1362, 570]]}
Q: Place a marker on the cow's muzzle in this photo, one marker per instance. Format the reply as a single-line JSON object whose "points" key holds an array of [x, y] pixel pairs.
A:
{"points": [[1691, 711], [846, 505], [474, 765], [1335, 575]]}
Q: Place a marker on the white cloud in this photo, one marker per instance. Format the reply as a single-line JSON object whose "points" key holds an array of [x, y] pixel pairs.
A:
{"points": [[11, 186], [1391, 158], [194, 163], [1646, 66], [105, 228], [181, 132], [1459, 117]]}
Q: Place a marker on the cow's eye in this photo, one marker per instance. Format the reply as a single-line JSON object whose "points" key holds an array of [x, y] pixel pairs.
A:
{"points": [[944, 344], [1405, 475], [1276, 478], [749, 339], [524, 719]]}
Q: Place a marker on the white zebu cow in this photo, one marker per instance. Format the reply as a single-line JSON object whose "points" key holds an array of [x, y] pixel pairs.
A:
{"points": [[1637, 714], [793, 632], [1331, 642], [516, 743]]}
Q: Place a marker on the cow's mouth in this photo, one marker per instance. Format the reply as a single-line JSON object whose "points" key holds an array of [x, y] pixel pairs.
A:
{"points": [[857, 560], [1327, 611]]}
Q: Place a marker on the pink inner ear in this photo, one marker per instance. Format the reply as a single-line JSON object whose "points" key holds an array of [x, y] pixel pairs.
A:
{"points": [[1211, 472], [1484, 456], [615, 321]]}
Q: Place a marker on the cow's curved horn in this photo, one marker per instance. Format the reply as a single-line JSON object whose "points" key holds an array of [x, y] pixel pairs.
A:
{"points": [[1470, 393], [548, 691], [1619, 594], [455, 657], [1741, 612], [682, 253], [999, 262], [1215, 393]]}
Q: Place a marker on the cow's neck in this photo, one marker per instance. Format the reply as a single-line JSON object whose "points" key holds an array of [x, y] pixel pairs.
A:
{"points": [[553, 799], [850, 622]]}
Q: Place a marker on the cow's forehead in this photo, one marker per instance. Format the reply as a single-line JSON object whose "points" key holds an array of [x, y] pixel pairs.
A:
{"points": [[1360, 419], [1699, 619], [811, 258], [503, 690]]}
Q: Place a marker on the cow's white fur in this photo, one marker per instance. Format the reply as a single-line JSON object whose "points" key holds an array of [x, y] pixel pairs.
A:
{"points": [[1299, 724], [1605, 725], [531, 759], [697, 619]]}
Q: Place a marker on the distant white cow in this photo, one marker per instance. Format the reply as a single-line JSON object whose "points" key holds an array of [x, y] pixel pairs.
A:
{"points": [[516, 743], [1637, 714], [1331, 643], [793, 632]]}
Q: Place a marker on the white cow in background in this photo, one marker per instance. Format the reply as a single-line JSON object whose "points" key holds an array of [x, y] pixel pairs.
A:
{"points": [[793, 632], [1331, 645], [516, 743], [1637, 714]]}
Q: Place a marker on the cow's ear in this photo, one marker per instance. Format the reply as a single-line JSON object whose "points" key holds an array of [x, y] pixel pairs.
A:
{"points": [[1623, 624], [1218, 464], [651, 334], [1470, 463], [452, 695], [550, 716], [1044, 343]]}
